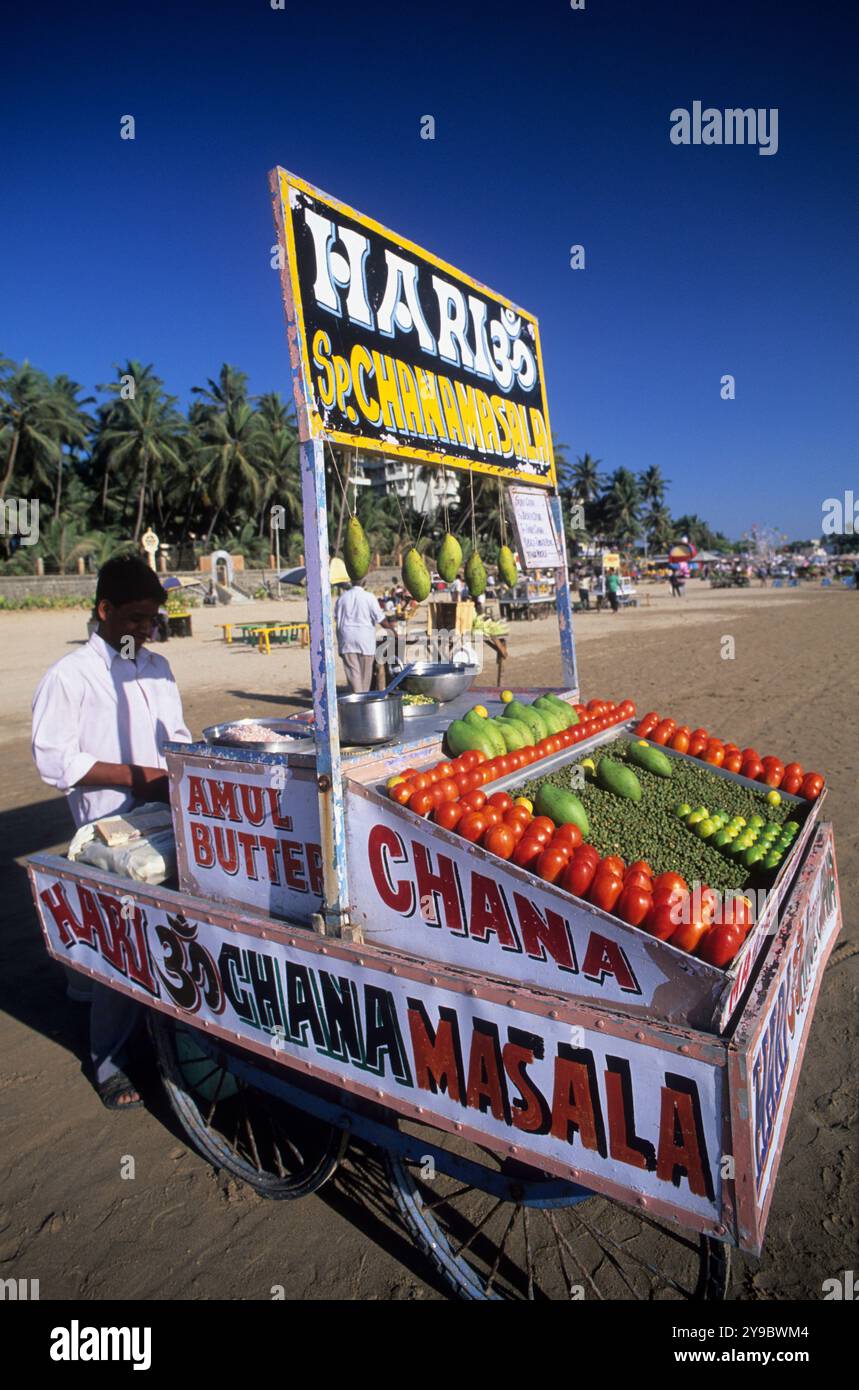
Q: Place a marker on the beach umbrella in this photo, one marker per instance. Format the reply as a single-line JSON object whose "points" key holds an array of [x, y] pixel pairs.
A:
{"points": [[294, 576], [171, 582]]}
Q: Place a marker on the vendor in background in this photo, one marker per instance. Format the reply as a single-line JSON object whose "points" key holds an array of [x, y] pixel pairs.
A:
{"points": [[356, 617], [612, 585], [584, 589], [101, 717]]}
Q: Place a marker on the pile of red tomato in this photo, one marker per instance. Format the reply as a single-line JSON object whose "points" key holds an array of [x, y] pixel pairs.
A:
{"points": [[698, 743], [427, 790]]}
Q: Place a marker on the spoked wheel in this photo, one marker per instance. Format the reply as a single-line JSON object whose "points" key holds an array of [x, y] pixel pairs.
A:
{"points": [[279, 1150], [533, 1237]]}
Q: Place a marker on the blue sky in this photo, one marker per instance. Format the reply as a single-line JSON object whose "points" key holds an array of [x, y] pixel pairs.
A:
{"points": [[552, 129]]}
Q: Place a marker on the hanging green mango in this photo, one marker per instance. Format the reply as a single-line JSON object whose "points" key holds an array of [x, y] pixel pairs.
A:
{"points": [[416, 576], [356, 551], [507, 567], [449, 558], [475, 575]]}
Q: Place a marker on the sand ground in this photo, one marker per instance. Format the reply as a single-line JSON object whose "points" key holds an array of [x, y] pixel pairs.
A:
{"points": [[178, 1229]]}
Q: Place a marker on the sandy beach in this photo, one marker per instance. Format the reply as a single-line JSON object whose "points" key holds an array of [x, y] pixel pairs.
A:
{"points": [[178, 1230]]}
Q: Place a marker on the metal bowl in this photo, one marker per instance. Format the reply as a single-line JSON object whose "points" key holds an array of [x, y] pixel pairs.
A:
{"points": [[415, 711], [374, 717], [295, 734], [442, 681]]}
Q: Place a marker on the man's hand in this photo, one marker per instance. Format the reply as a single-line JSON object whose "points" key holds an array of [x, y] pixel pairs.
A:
{"points": [[146, 783]]}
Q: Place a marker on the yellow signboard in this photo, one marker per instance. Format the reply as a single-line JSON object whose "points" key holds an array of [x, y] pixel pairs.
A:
{"points": [[401, 353]]}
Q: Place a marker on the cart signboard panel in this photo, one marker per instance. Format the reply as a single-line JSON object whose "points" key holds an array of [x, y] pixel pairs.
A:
{"points": [[247, 832], [770, 1040], [537, 540], [635, 1114], [402, 354]]}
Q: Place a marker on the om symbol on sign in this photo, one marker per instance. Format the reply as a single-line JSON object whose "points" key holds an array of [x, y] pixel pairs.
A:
{"points": [[191, 974]]}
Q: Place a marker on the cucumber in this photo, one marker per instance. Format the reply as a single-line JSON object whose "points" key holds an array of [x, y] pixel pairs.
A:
{"points": [[552, 718], [462, 737], [651, 759], [572, 717], [562, 807], [528, 715], [614, 777], [512, 733]]}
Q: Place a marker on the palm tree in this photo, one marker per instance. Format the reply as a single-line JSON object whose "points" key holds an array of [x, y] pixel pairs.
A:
{"points": [[658, 526], [73, 424], [622, 502], [64, 542], [31, 416], [232, 448], [586, 478], [141, 435], [652, 485]]}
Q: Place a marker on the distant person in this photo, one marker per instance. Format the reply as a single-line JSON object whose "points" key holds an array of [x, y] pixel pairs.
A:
{"points": [[457, 588], [356, 617], [612, 585], [584, 590], [856, 574], [101, 717]]}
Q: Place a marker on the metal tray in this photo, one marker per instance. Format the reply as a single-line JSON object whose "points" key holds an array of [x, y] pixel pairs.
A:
{"points": [[413, 711], [297, 733]]}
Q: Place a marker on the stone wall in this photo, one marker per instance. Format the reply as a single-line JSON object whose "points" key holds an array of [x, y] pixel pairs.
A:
{"points": [[15, 587]]}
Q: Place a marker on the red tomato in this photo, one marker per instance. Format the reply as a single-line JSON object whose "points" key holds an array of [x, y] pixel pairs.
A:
{"points": [[714, 756], [421, 802], [697, 744], [448, 814], [615, 863], [590, 854], [503, 801], [753, 768], [733, 762], [438, 795], [578, 876], [527, 850], [474, 800], [605, 891], [688, 935], [539, 832], [659, 922], [627, 709], [790, 784], [500, 840], [751, 753], [634, 904], [519, 813], [443, 769], [502, 766], [448, 788], [735, 912], [773, 775], [720, 945], [491, 815], [731, 748], [794, 770], [711, 904], [543, 823], [419, 783], [701, 733], [772, 761], [674, 883], [641, 866], [680, 741], [472, 826], [476, 757], [431, 776], [401, 793], [633, 878], [551, 864], [812, 786], [570, 834], [595, 706], [643, 728]]}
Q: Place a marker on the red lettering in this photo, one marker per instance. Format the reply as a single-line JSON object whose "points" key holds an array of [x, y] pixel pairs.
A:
{"points": [[198, 802], [228, 861], [112, 936], [489, 913], [269, 847], [201, 843], [530, 1113], [486, 1084], [574, 1107], [223, 796], [129, 957], [604, 957], [431, 885], [67, 924], [252, 803], [293, 861], [385, 847], [249, 846], [624, 1144], [541, 934], [437, 1058], [90, 916], [314, 868], [281, 821], [679, 1149]]}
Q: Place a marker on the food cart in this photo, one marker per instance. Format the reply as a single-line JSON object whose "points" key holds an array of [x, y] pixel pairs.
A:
{"points": [[566, 1105]]}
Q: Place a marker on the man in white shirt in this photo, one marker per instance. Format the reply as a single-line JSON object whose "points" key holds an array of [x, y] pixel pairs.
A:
{"points": [[356, 618], [101, 717]]}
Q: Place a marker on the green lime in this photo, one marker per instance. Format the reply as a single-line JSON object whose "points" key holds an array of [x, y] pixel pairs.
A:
{"points": [[721, 839], [757, 820], [695, 817], [703, 810], [792, 826], [772, 860], [684, 809], [721, 816], [772, 828], [738, 820], [706, 828], [753, 855]]}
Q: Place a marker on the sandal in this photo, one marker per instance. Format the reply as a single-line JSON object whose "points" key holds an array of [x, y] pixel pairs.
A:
{"points": [[111, 1091]]}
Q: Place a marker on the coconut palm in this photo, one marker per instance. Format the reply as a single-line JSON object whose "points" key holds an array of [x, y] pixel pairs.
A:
{"points": [[622, 503], [652, 485], [232, 449], [31, 417], [73, 425], [141, 437]]}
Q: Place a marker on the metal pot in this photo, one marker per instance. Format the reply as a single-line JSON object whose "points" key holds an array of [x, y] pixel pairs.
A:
{"points": [[440, 680], [375, 717]]}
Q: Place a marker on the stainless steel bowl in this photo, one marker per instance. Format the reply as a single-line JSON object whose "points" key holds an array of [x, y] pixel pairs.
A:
{"points": [[415, 711], [376, 717], [440, 680], [295, 735]]}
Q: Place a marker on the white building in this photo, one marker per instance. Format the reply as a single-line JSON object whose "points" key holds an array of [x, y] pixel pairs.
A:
{"points": [[423, 486]]}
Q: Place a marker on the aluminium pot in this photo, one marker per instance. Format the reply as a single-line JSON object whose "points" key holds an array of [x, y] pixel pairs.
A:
{"points": [[374, 717]]}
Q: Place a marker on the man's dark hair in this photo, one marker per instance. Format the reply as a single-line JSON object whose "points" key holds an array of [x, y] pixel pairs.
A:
{"points": [[127, 578]]}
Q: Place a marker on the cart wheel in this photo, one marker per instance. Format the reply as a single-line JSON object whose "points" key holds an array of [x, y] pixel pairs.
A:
{"points": [[278, 1150], [535, 1237]]}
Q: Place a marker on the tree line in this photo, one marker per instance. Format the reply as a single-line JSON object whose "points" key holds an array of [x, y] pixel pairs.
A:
{"points": [[103, 470]]}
